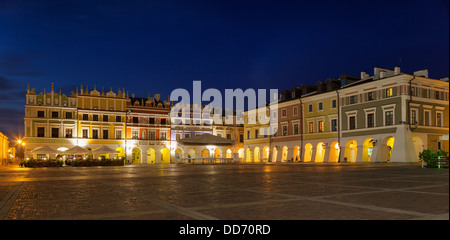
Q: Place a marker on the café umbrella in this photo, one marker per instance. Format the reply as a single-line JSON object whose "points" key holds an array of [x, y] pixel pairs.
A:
{"points": [[77, 150], [45, 150], [104, 150]]}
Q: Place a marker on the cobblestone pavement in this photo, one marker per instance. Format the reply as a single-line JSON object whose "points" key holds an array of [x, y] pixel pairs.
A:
{"points": [[229, 192]]}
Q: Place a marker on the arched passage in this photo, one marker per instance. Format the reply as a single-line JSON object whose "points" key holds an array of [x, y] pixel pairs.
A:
{"points": [[296, 154], [284, 155], [386, 148], [120, 154], [178, 154], [165, 155], [205, 153], [320, 152], [241, 154], [257, 154], [308, 152], [334, 152], [217, 155], [350, 150], [367, 150], [136, 155], [151, 155], [229, 153], [265, 153]]}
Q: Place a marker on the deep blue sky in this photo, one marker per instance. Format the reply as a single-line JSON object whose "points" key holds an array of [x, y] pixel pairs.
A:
{"points": [[157, 46]]}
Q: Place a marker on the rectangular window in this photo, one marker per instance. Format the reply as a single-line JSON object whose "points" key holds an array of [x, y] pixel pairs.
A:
{"points": [[388, 92], [85, 133], [152, 121], [256, 133], [178, 136], [389, 118], [311, 127], [135, 134], [118, 134], [68, 132], [284, 113], [285, 130], [427, 119], [40, 114], [152, 135], [85, 117], [55, 132], [295, 111], [135, 120], [371, 96], [370, 120], [413, 119], [241, 137], [438, 119], [95, 117], [333, 125], [295, 128], [118, 119], [95, 133], [333, 103], [54, 114], [68, 115], [163, 136], [320, 106], [320, 126], [352, 99], [228, 136], [352, 122], [438, 95], [105, 118], [248, 134], [41, 131], [105, 134], [163, 121], [310, 108]]}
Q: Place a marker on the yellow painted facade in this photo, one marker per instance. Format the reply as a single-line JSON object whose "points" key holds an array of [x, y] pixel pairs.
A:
{"points": [[318, 113]]}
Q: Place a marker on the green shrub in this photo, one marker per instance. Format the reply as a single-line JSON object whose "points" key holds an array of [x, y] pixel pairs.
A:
{"points": [[430, 156]]}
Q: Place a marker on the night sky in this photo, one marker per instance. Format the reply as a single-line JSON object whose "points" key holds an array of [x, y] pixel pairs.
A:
{"points": [[150, 47]]}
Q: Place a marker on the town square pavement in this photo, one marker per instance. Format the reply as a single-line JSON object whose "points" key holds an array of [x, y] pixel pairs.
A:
{"points": [[290, 191]]}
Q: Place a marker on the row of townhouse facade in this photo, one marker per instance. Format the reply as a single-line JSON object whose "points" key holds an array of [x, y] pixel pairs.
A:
{"points": [[138, 128], [388, 117]]}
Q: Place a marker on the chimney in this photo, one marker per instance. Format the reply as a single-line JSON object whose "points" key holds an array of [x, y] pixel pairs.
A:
{"points": [[421, 73], [364, 75], [396, 70], [382, 74]]}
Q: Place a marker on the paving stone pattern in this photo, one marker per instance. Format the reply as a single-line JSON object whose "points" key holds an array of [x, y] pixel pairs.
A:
{"points": [[228, 192]]}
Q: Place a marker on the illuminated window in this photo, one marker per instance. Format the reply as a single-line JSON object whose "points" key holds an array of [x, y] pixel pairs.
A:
{"points": [[320, 126], [388, 92], [311, 127]]}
